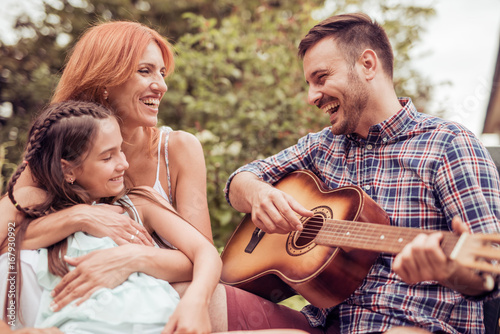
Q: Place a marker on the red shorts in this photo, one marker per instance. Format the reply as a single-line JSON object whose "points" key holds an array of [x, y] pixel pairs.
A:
{"points": [[246, 311]]}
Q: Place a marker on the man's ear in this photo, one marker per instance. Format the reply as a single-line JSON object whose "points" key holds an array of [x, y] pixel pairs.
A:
{"points": [[68, 171], [369, 63]]}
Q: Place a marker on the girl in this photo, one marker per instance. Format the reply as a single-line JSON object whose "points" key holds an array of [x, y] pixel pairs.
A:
{"points": [[74, 154]]}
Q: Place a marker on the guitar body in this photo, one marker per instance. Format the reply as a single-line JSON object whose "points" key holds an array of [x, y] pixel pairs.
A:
{"points": [[278, 266]]}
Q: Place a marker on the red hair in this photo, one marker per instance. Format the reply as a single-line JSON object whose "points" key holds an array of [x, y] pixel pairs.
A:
{"points": [[107, 54]]}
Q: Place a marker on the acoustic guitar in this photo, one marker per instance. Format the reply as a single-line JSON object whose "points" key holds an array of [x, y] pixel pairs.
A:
{"points": [[330, 257]]}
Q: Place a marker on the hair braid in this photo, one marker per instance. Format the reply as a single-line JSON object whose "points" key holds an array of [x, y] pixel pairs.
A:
{"points": [[52, 115]]}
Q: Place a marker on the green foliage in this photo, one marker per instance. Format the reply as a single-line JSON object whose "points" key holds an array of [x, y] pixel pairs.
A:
{"points": [[238, 84]]}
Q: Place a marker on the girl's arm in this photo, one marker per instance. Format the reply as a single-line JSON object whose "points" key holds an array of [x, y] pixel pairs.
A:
{"points": [[191, 315], [189, 181]]}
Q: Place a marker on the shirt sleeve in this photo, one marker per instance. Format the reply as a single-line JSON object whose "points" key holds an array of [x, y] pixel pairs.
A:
{"points": [[273, 168], [468, 185]]}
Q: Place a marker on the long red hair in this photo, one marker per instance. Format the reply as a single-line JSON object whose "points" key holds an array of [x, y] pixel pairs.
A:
{"points": [[107, 54]]}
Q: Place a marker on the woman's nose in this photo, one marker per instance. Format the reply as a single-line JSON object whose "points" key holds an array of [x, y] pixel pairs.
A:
{"points": [[159, 85]]}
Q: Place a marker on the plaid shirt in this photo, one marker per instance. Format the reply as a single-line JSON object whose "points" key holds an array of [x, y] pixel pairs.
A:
{"points": [[422, 171]]}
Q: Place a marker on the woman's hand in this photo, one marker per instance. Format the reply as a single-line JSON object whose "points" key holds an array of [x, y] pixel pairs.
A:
{"points": [[189, 317], [97, 220], [109, 268], [109, 221], [105, 268]]}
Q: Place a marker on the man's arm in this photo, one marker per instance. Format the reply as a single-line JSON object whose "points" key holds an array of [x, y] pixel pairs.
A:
{"points": [[273, 210]]}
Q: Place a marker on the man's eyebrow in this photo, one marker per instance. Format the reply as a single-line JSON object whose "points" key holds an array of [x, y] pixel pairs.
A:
{"points": [[315, 74]]}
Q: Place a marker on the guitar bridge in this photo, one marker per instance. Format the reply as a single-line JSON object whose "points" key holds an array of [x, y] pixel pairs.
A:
{"points": [[257, 236]]}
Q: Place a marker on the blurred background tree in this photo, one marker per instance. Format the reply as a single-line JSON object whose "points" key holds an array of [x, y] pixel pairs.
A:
{"points": [[238, 84]]}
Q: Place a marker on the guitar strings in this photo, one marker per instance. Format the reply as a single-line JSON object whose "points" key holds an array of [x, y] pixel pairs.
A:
{"points": [[359, 233]]}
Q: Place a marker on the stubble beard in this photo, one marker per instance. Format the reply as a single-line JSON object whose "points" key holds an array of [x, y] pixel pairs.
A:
{"points": [[355, 104]]}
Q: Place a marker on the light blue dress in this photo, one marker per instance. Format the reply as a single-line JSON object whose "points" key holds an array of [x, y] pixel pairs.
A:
{"points": [[141, 304]]}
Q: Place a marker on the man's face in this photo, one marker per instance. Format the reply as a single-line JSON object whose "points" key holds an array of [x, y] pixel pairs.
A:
{"points": [[335, 86]]}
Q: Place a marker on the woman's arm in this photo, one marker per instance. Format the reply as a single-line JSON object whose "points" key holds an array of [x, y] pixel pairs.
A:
{"points": [[109, 268], [97, 220], [189, 180], [192, 312]]}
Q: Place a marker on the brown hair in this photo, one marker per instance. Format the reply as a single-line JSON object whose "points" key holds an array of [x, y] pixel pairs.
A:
{"points": [[353, 33], [62, 131]]}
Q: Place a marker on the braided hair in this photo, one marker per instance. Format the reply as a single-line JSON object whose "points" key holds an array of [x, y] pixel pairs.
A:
{"points": [[63, 130]]}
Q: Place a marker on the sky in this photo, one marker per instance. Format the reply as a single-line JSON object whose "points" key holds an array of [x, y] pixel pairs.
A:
{"points": [[460, 46], [462, 43]]}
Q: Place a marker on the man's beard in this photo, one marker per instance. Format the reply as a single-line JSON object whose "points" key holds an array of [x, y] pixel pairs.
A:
{"points": [[356, 100]]}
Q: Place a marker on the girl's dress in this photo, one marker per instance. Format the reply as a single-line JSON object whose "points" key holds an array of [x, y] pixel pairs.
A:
{"points": [[141, 304]]}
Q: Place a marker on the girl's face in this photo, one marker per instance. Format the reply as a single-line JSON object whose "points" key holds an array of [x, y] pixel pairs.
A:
{"points": [[136, 101], [102, 170]]}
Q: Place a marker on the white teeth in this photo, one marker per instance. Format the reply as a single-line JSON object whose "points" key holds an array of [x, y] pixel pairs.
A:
{"points": [[151, 102], [329, 108]]}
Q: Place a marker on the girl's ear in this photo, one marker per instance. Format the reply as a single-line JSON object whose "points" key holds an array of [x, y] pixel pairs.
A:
{"points": [[68, 171]]}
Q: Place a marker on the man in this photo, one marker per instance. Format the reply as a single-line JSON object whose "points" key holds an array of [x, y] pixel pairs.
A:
{"points": [[424, 172]]}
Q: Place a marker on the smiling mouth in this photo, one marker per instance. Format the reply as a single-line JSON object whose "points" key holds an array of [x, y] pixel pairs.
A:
{"points": [[152, 103], [331, 108], [119, 178]]}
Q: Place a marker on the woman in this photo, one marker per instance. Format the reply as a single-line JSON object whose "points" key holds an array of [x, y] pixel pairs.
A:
{"points": [[122, 65]]}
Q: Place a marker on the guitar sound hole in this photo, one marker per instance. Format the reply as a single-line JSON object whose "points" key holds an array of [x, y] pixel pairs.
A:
{"points": [[310, 230]]}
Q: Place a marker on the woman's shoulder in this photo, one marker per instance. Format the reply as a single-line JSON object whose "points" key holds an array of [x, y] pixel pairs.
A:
{"points": [[185, 142]]}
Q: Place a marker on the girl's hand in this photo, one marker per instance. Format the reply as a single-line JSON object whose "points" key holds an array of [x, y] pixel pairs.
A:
{"points": [[189, 318], [105, 268], [109, 221]]}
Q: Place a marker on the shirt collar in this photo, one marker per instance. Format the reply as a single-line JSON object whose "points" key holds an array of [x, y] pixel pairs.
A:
{"points": [[392, 126]]}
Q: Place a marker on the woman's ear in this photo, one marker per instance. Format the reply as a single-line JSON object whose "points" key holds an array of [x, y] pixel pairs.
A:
{"points": [[68, 171]]}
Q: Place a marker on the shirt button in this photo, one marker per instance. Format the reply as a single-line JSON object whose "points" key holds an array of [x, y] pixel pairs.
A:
{"points": [[384, 140], [369, 146], [367, 188]]}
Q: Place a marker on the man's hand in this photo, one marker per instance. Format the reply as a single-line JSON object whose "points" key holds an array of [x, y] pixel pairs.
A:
{"points": [[273, 211], [424, 260]]}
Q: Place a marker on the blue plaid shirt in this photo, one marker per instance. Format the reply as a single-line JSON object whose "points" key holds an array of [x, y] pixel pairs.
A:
{"points": [[422, 171]]}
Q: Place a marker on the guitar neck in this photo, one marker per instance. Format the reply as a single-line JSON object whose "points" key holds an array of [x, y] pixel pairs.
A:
{"points": [[374, 237]]}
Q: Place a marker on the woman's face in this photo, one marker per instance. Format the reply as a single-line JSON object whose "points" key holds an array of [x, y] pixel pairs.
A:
{"points": [[136, 101]]}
